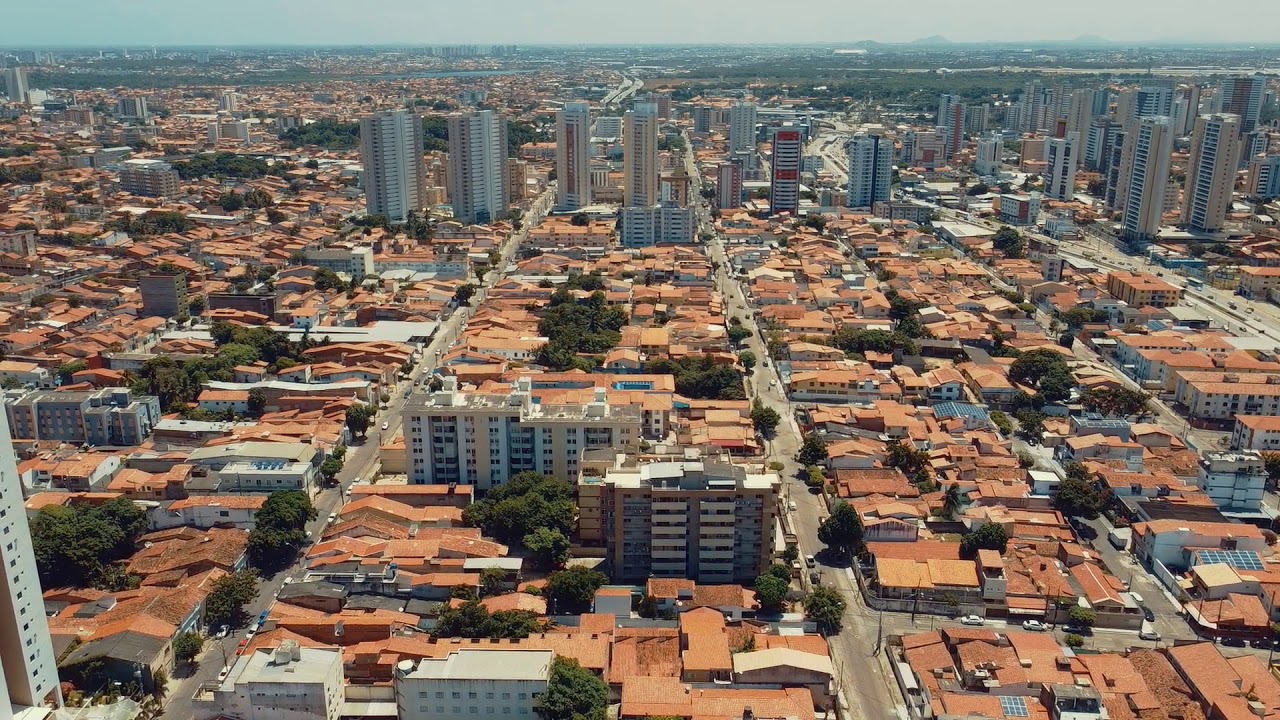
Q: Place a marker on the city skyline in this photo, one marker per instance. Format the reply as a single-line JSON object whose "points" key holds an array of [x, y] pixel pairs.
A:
{"points": [[567, 22]]}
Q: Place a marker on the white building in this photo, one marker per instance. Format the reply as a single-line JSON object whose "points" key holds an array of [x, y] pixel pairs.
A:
{"points": [[1061, 156], [15, 83], [149, 177], [951, 115], [870, 170], [229, 102], [573, 156], [742, 127], [1263, 180], [484, 439], [986, 163], [1211, 172], [25, 373], [664, 224], [288, 683], [478, 188], [26, 652], [133, 108], [1235, 480], [355, 262], [1144, 175], [608, 127], [391, 150], [640, 155], [473, 683], [784, 188], [1256, 432]]}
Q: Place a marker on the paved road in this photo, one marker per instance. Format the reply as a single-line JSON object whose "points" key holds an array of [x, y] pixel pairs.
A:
{"points": [[361, 462]]}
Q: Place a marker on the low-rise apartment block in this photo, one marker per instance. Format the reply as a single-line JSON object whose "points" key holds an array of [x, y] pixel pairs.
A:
{"points": [[286, 683], [1235, 480], [1256, 283], [690, 518], [112, 416], [470, 682], [1142, 289], [484, 439]]}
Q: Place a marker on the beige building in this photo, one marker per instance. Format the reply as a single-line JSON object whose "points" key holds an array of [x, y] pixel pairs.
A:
{"points": [[1258, 282], [485, 439], [688, 518], [1211, 172], [1142, 289], [640, 156]]}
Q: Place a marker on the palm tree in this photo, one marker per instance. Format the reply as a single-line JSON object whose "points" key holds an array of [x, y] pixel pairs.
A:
{"points": [[952, 501]]}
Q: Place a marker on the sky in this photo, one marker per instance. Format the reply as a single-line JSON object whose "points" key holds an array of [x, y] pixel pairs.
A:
{"points": [[142, 23]]}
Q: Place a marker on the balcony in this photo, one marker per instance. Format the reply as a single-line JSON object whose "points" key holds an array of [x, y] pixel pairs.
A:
{"points": [[668, 543], [679, 530], [677, 506]]}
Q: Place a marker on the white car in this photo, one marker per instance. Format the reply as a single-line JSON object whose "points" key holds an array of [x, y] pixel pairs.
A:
{"points": [[810, 561], [1149, 635], [225, 672], [1034, 626], [385, 425], [792, 506], [223, 631], [972, 620]]}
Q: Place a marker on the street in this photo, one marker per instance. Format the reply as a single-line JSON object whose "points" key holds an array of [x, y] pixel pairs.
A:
{"points": [[361, 460]]}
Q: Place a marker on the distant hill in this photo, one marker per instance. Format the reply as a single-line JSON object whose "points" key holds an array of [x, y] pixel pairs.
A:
{"points": [[931, 40]]}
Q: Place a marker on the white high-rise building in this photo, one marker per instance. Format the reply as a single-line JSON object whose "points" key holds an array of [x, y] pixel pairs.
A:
{"points": [[229, 102], [1211, 171], [573, 156], [742, 127], [987, 159], [664, 224], [133, 108], [1242, 96], [640, 155], [26, 650], [391, 151], [1263, 180], [608, 127], [478, 187], [1145, 172], [784, 187], [951, 115], [15, 83], [870, 170], [1079, 116], [1031, 107], [1061, 156]]}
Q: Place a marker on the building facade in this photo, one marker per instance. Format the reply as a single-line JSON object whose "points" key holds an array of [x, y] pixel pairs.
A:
{"points": [[640, 155], [1242, 97], [742, 128], [478, 185], [485, 439], [784, 188], [150, 178], [111, 416], [702, 520], [473, 682], [1263, 180], [1235, 480], [573, 156], [663, 224], [729, 186], [1211, 172], [285, 683], [391, 151], [1144, 175], [870, 170], [163, 294], [1062, 157]]}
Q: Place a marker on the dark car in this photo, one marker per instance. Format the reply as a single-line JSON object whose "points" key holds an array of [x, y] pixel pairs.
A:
{"points": [[1233, 642], [1077, 629], [1148, 615]]}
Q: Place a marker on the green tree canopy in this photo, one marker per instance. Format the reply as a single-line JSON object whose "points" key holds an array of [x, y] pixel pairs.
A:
{"points": [[991, 536], [701, 377], [771, 593], [77, 545], [573, 693], [527, 502], [473, 620], [842, 530], [226, 601], [279, 529], [550, 547], [572, 591], [187, 646], [813, 450], [826, 607]]}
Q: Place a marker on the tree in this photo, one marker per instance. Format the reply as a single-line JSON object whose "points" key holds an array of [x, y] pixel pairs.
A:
{"points": [[1272, 460], [327, 279], [748, 360], [1071, 639], [813, 451], [573, 693], [912, 462], [226, 601], [1031, 426], [1082, 616], [330, 469], [825, 607], [464, 293], [492, 580], [1010, 242], [78, 545], [1118, 401], [1002, 422], [952, 502], [66, 370], [991, 536], [765, 419], [579, 219], [527, 502], [358, 417], [187, 646], [842, 530], [1078, 497], [550, 547], [257, 402], [701, 377], [1078, 317], [572, 591], [279, 529], [814, 477], [473, 620], [737, 334], [771, 593]]}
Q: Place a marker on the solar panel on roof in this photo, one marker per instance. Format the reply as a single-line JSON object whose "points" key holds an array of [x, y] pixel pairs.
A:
{"points": [[1014, 706], [1241, 559]]}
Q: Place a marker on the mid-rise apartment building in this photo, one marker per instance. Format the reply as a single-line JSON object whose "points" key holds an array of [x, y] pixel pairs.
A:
{"points": [[150, 178], [1235, 480], [478, 184], [1211, 172], [729, 186], [742, 128], [356, 262], [1257, 283], [986, 162], [1061, 159], [110, 416], [951, 115], [27, 660], [683, 518], [391, 151], [163, 294], [1263, 180], [285, 683], [1142, 289], [484, 439], [663, 224], [472, 682], [784, 190], [870, 170]]}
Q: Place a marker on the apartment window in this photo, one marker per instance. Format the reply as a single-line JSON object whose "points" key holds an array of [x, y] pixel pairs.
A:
{"points": [[488, 696], [506, 696], [471, 696], [439, 709], [455, 696], [440, 696], [474, 710], [506, 711]]}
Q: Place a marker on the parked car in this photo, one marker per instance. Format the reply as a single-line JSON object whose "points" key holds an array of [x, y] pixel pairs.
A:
{"points": [[1149, 635], [1148, 615], [333, 516], [972, 620], [1034, 626], [385, 425], [224, 673], [815, 577], [223, 631], [242, 646], [1233, 641], [1077, 629], [792, 506], [810, 561]]}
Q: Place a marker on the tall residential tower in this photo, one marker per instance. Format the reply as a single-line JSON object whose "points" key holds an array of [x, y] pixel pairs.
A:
{"points": [[640, 155], [573, 156], [479, 191], [870, 170], [1211, 171], [391, 150]]}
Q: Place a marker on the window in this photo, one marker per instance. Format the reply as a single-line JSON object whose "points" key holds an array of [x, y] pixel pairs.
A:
{"points": [[440, 696], [455, 695], [471, 696]]}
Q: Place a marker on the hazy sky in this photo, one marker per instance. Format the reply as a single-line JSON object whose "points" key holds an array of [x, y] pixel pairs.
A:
{"points": [[141, 23]]}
